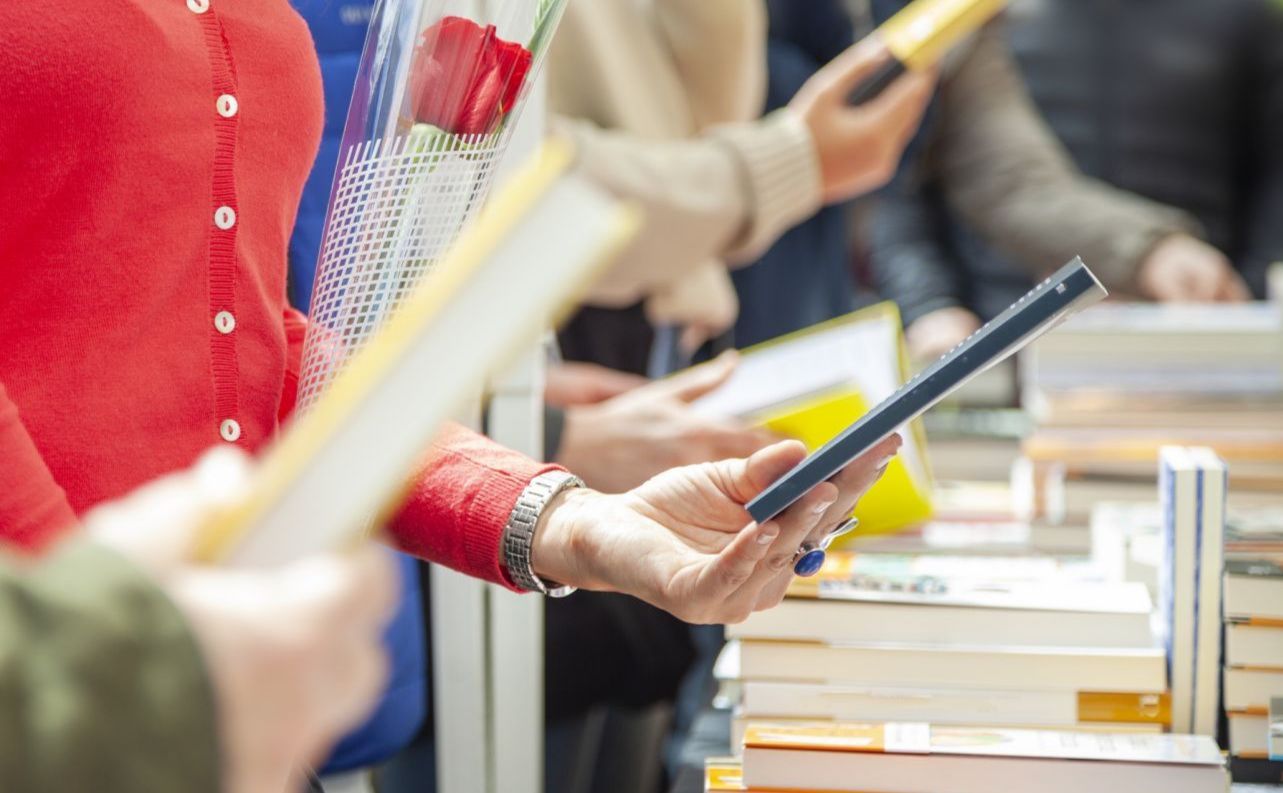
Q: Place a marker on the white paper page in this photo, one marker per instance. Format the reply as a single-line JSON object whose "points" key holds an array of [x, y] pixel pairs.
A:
{"points": [[863, 354]]}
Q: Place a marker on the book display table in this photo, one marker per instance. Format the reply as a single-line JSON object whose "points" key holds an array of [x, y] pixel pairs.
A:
{"points": [[711, 737]]}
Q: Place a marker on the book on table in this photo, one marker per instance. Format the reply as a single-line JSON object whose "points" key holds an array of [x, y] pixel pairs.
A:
{"points": [[740, 724], [1021, 601], [1192, 491], [1254, 643], [1250, 690], [1254, 589], [1157, 358], [1213, 482], [956, 666], [1249, 735], [895, 757], [772, 700]]}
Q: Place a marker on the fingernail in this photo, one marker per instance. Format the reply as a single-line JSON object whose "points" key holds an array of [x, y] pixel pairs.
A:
{"points": [[885, 461], [820, 509], [766, 539]]}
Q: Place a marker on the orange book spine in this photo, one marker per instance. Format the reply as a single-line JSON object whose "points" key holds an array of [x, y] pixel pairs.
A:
{"points": [[1125, 708]]}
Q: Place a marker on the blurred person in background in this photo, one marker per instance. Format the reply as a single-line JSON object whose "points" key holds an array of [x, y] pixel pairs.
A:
{"points": [[129, 669], [662, 99], [807, 276], [1158, 161]]}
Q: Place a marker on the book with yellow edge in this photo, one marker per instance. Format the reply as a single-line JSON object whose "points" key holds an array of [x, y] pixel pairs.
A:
{"points": [[910, 757], [767, 699], [344, 463], [723, 774], [813, 384], [739, 725], [919, 36]]}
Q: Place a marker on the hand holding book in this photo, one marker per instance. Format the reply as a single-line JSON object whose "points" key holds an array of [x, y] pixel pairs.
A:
{"points": [[859, 148], [684, 541]]}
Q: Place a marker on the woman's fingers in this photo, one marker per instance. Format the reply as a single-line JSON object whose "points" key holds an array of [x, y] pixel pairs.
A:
{"points": [[904, 101], [742, 480], [776, 562], [843, 74], [695, 383], [733, 567], [770, 595], [854, 481]]}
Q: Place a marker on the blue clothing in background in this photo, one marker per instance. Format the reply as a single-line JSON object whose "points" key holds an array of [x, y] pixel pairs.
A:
{"points": [[338, 27], [806, 277]]}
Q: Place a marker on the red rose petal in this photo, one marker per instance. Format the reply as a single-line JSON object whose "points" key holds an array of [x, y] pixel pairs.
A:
{"points": [[464, 77]]}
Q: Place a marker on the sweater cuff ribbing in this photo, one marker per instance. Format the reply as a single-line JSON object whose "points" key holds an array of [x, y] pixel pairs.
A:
{"points": [[487, 517], [781, 175]]}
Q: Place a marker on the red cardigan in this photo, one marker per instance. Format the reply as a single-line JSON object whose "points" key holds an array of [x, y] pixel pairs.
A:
{"points": [[152, 153]]}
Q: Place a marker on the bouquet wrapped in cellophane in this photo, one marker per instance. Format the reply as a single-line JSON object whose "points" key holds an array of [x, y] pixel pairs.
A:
{"points": [[439, 90]]}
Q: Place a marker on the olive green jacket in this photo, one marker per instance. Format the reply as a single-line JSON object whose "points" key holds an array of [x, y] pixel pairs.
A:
{"points": [[102, 688]]}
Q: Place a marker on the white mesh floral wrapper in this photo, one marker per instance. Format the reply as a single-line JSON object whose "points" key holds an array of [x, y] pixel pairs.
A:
{"points": [[439, 90]]}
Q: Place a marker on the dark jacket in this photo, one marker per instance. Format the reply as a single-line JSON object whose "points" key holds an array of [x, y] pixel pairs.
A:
{"points": [[806, 277], [1176, 101], [338, 27]]}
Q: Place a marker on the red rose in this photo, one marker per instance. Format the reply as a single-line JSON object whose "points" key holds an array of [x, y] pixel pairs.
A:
{"points": [[464, 78]]}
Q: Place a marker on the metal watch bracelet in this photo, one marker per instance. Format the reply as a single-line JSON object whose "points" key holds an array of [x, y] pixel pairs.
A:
{"points": [[519, 532]]}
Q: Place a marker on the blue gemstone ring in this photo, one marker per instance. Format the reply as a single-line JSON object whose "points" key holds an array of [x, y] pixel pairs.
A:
{"points": [[810, 557]]}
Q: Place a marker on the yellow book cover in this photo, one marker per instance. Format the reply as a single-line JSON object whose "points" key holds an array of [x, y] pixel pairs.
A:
{"points": [[925, 30], [1125, 708], [726, 775], [839, 737], [813, 384], [723, 774]]}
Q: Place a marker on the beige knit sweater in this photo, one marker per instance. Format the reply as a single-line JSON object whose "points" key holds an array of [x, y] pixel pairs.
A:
{"points": [[661, 98]]}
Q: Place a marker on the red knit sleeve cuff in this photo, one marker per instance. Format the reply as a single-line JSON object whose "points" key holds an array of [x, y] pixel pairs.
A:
{"points": [[459, 503]]}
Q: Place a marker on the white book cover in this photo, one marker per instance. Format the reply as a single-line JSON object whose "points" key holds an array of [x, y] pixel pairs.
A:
{"points": [[1178, 491], [975, 667], [913, 757], [1213, 482], [766, 699], [1256, 645], [1254, 589], [1249, 735], [1252, 689], [933, 606]]}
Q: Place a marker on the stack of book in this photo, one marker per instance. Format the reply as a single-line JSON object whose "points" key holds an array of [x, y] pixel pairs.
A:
{"points": [[1008, 641], [1253, 696], [912, 757], [1118, 382]]}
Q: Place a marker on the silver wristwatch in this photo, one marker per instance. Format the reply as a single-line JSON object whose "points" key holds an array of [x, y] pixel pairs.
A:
{"points": [[519, 533]]}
